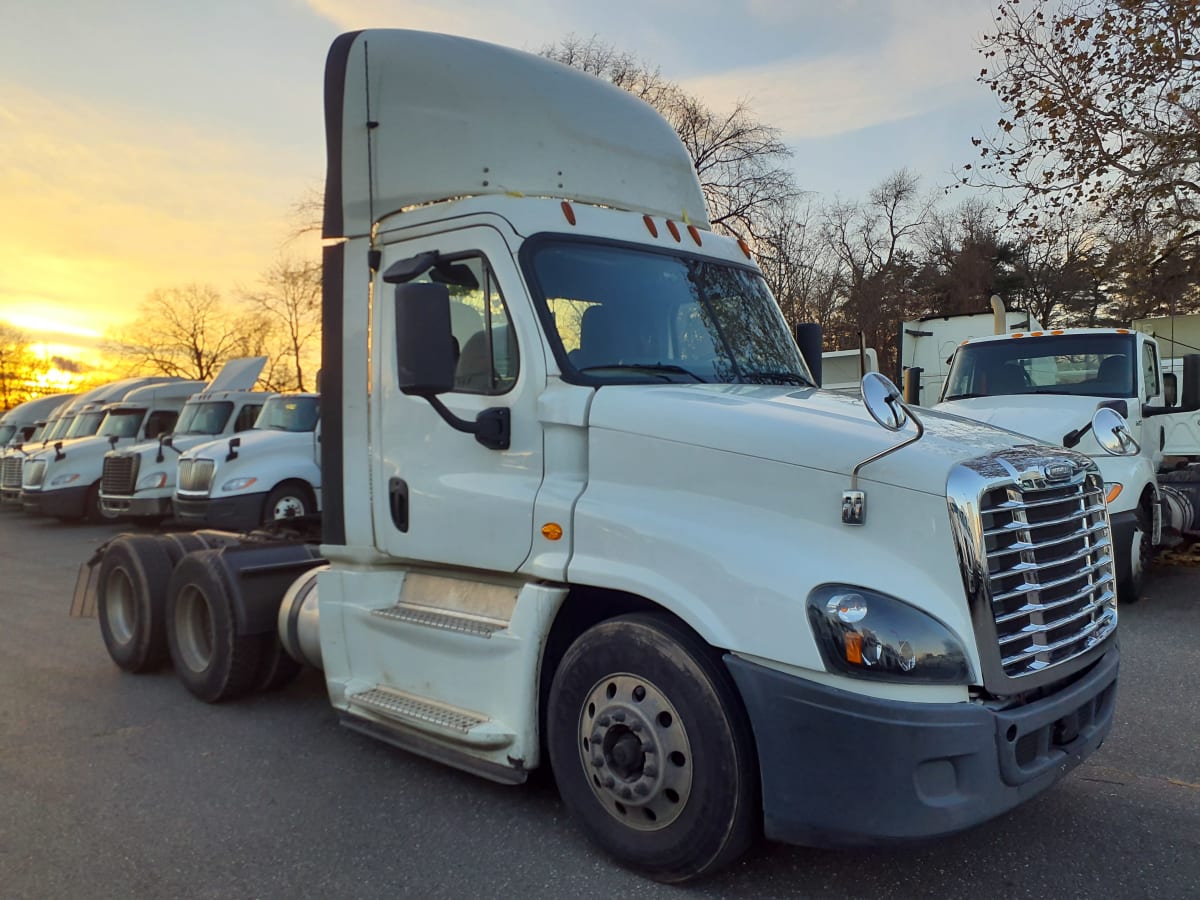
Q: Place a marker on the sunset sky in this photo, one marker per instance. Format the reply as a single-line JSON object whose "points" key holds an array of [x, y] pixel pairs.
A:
{"points": [[152, 143]]}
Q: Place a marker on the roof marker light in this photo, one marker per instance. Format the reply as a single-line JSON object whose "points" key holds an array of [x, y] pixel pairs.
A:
{"points": [[1017, 334], [695, 233], [745, 247], [568, 212], [650, 226], [674, 229]]}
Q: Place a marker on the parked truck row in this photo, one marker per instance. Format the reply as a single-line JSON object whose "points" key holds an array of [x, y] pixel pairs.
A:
{"points": [[584, 505], [116, 451]]}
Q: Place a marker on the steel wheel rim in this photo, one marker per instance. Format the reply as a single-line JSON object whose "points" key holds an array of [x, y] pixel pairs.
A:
{"points": [[194, 628], [635, 752], [289, 507], [118, 605]]}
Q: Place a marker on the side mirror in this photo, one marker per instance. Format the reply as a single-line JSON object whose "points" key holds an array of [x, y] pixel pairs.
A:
{"points": [[424, 342], [881, 399], [1113, 433], [1170, 389]]}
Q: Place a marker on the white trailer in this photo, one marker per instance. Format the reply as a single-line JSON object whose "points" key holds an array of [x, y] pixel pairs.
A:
{"points": [[583, 505]]}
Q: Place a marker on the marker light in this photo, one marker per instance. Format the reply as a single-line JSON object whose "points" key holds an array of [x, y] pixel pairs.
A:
{"points": [[650, 226], [674, 229], [552, 531], [568, 212], [1112, 490]]}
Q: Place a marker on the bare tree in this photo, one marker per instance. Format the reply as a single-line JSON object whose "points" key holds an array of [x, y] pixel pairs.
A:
{"points": [[289, 300], [186, 331], [19, 368]]}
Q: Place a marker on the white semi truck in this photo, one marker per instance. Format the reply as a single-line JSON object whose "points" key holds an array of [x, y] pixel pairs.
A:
{"points": [[19, 423], [269, 474], [1048, 383], [80, 418], [138, 481], [583, 506], [64, 480]]}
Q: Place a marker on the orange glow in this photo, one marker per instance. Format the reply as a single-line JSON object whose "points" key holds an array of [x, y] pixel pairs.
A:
{"points": [[552, 531], [650, 226]]}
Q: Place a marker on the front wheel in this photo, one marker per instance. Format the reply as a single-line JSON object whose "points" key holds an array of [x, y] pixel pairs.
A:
{"points": [[651, 748], [1139, 554], [290, 500]]}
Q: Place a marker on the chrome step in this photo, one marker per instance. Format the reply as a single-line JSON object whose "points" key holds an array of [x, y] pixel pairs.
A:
{"points": [[447, 620], [451, 722]]}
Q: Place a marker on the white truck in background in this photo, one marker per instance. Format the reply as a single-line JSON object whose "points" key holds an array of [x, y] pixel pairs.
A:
{"points": [[138, 482], [268, 474], [606, 521], [79, 418], [64, 481], [19, 424], [1048, 383], [927, 344]]}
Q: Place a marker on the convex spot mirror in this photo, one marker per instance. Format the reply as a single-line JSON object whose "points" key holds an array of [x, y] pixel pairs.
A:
{"points": [[882, 399], [1112, 432]]}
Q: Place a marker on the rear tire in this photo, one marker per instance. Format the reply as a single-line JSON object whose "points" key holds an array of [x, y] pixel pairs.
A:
{"points": [[210, 658], [651, 748], [131, 594]]}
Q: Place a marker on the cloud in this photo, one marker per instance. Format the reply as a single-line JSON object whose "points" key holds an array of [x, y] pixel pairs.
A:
{"points": [[102, 204], [920, 63]]}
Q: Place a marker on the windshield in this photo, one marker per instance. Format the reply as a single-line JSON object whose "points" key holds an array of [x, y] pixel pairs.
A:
{"points": [[6, 433], [204, 418], [56, 429], [289, 414], [122, 422], [85, 424], [620, 315], [1087, 365]]}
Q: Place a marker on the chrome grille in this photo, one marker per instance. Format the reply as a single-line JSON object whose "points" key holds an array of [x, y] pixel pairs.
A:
{"points": [[10, 476], [195, 475], [33, 472], [1038, 559], [120, 474]]}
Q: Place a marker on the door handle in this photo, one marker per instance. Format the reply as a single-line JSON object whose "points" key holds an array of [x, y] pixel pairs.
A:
{"points": [[398, 501]]}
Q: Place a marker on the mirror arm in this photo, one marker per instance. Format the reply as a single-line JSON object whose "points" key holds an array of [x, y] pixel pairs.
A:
{"points": [[492, 427], [888, 451]]}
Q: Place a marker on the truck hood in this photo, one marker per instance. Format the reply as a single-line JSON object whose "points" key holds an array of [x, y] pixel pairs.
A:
{"points": [[1046, 417], [253, 441], [803, 427]]}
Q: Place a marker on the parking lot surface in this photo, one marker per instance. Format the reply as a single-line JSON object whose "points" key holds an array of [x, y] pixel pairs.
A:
{"points": [[114, 785]]}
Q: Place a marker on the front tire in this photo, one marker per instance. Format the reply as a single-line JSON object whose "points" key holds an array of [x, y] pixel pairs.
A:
{"points": [[290, 500], [651, 748], [93, 511], [1139, 554]]}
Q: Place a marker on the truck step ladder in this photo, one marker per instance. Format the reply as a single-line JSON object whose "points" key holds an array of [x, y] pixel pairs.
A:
{"points": [[450, 723]]}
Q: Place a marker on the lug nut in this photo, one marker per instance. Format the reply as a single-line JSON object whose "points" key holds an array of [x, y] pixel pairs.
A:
{"points": [[626, 793], [635, 726], [619, 716], [649, 771], [609, 781], [597, 761], [642, 789], [604, 721]]}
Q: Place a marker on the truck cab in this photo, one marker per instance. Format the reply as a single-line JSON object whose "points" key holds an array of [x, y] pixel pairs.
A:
{"points": [[267, 474], [64, 481], [1047, 384], [139, 481], [584, 505]]}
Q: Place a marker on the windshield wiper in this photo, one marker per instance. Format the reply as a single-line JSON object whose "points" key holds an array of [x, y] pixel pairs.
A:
{"points": [[663, 370], [966, 396], [775, 378]]}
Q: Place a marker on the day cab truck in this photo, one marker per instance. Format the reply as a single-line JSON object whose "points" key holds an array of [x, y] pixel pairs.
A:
{"points": [[137, 482], [1048, 384], [584, 506], [267, 475], [78, 419], [64, 481], [19, 423]]}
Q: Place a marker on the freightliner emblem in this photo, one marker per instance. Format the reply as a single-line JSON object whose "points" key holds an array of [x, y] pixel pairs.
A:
{"points": [[1058, 471]]}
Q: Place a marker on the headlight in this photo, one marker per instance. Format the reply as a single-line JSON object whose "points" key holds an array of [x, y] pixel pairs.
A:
{"points": [[238, 484], [153, 480], [1112, 490], [60, 480], [871, 635]]}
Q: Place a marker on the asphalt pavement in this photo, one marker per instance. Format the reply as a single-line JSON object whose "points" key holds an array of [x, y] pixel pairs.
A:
{"points": [[114, 785]]}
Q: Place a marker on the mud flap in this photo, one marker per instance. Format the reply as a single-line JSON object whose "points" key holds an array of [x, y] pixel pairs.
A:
{"points": [[83, 598]]}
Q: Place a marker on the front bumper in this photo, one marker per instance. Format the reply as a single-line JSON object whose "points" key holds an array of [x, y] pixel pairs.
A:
{"points": [[137, 507], [63, 503], [841, 769], [10, 498], [242, 513]]}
